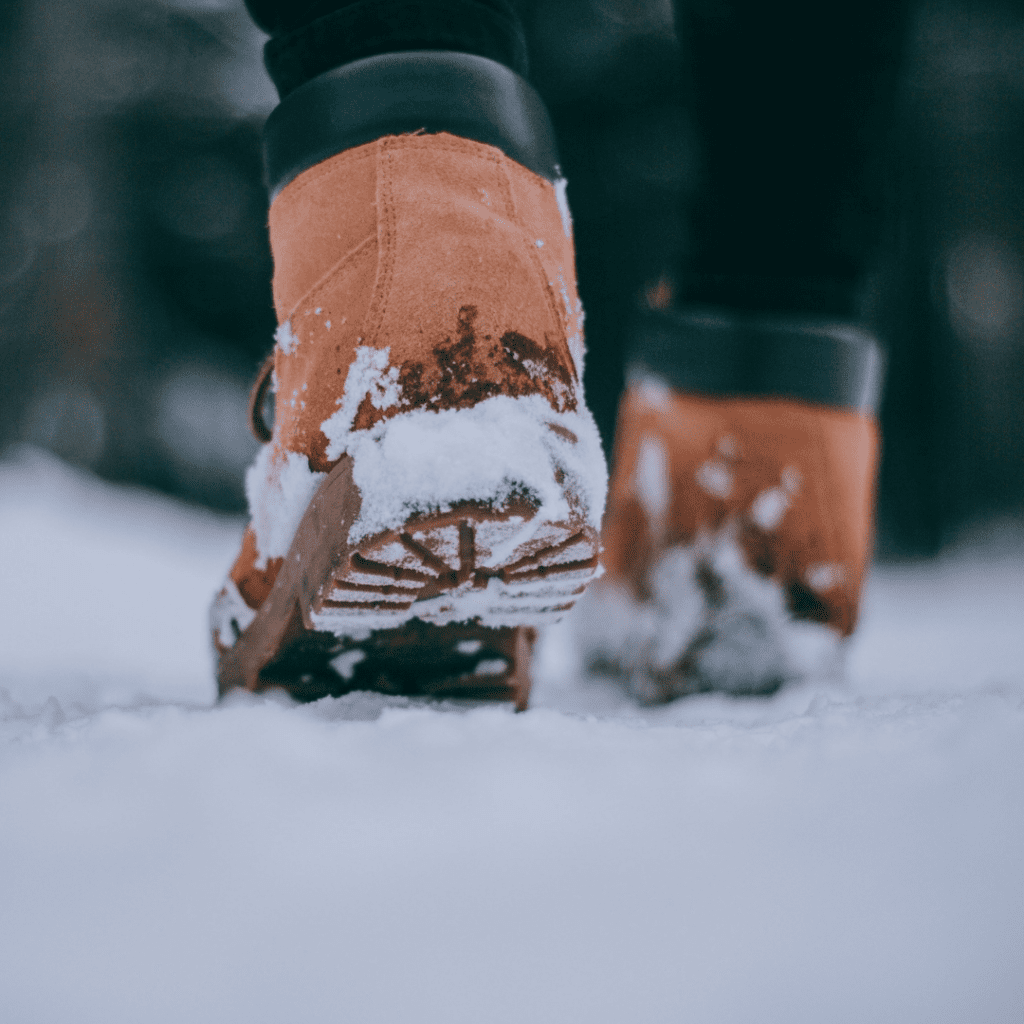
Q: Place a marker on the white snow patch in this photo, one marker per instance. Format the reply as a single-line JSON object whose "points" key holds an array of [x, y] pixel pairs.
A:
{"points": [[574, 319], [423, 460], [228, 613], [106, 590], [279, 486], [491, 667], [825, 576], [742, 640], [714, 477], [562, 198], [370, 375], [769, 508], [652, 483], [468, 646], [345, 663], [287, 340], [654, 392]]}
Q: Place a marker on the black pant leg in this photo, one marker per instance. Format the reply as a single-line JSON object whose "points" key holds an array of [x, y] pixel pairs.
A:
{"points": [[308, 37], [792, 104]]}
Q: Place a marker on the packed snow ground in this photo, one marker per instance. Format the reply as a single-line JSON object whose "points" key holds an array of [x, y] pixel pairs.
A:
{"points": [[849, 852]]}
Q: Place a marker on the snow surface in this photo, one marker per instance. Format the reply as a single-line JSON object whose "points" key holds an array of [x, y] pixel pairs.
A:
{"points": [[840, 852]]}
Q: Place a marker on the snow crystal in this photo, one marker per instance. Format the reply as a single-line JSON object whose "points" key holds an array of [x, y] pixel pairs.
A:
{"points": [[286, 339], [369, 375], [279, 486]]}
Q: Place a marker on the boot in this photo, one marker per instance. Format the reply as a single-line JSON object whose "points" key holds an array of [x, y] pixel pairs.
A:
{"points": [[432, 487], [739, 521]]}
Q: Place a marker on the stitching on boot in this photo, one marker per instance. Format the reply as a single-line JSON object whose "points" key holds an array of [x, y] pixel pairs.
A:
{"points": [[386, 242], [538, 266], [333, 166], [511, 211], [450, 143], [326, 280], [336, 165]]}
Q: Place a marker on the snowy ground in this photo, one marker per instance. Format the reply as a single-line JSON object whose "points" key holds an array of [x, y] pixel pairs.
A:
{"points": [[837, 853]]}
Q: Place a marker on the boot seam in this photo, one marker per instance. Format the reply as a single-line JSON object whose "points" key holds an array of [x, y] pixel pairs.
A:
{"points": [[325, 280], [381, 295], [561, 326], [337, 164], [832, 550], [326, 169]]}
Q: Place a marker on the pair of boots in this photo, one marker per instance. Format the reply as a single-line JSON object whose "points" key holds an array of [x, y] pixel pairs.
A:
{"points": [[433, 490]]}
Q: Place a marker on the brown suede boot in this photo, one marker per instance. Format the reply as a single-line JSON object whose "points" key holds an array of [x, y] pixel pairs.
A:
{"points": [[433, 486], [739, 526]]}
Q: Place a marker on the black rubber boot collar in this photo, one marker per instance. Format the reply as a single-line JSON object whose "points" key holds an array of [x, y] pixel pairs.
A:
{"points": [[722, 353], [395, 93]]}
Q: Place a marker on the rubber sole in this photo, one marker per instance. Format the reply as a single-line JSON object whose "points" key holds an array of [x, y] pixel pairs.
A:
{"points": [[447, 606]]}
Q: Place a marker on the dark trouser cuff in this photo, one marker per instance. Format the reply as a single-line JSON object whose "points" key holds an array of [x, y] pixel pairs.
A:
{"points": [[723, 353], [367, 28], [396, 93]]}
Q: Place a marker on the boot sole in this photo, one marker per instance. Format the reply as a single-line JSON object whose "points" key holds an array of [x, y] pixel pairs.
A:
{"points": [[448, 606]]}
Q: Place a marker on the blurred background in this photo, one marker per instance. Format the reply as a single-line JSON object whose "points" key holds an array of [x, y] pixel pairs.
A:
{"points": [[135, 271]]}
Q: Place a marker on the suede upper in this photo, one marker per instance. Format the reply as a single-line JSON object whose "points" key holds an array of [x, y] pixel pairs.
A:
{"points": [[794, 480], [432, 265], [441, 250]]}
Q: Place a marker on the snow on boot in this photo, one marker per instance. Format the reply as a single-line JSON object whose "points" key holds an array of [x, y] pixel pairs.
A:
{"points": [[740, 512], [432, 488]]}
